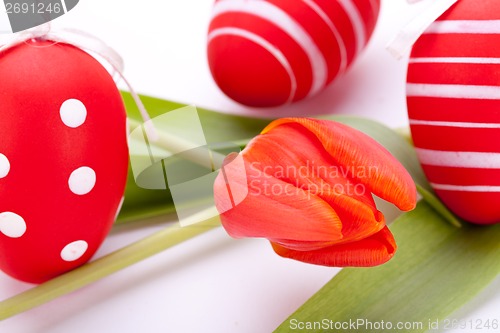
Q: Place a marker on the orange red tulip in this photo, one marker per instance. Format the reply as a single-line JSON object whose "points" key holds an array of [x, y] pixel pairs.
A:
{"points": [[308, 188]]}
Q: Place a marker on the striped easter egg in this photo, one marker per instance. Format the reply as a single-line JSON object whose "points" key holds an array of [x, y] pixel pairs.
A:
{"points": [[453, 96], [272, 52]]}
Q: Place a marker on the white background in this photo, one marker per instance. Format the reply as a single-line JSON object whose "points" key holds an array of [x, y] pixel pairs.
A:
{"points": [[212, 283]]}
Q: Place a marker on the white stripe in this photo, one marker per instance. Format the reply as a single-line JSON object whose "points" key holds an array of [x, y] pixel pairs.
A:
{"points": [[265, 45], [459, 159], [374, 4], [267, 11], [452, 91], [471, 188], [64, 6], [464, 27], [407, 37], [340, 41], [453, 124], [356, 21], [455, 60]]}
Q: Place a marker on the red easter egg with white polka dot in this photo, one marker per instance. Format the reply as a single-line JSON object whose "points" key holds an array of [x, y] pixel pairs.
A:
{"points": [[453, 96], [63, 158], [272, 52]]}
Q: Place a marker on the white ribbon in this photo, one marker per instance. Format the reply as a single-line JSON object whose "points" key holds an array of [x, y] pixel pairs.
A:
{"points": [[87, 42], [404, 40]]}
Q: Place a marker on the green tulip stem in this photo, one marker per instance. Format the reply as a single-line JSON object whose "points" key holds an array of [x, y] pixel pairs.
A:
{"points": [[102, 267]]}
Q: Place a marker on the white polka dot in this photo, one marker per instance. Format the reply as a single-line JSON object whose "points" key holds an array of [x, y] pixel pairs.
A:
{"points": [[82, 180], [120, 205], [74, 251], [12, 225], [4, 166], [73, 113]]}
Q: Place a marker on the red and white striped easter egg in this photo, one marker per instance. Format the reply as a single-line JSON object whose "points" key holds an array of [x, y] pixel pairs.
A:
{"points": [[453, 96], [271, 52]]}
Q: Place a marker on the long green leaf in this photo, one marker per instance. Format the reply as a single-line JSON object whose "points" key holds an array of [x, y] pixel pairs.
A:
{"points": [[218, 128], [102, 267], [436, 270], [142, 204]]}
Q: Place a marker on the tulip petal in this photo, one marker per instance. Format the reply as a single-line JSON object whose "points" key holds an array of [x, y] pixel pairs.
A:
{"points": [[374, 250], [358, 220], [302, 245], [307, 165], [272, 208], [385, 176], [358, 223]]}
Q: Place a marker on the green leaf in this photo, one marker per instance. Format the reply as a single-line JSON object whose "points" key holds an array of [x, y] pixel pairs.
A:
{"points": [[218, 128], [435, 203], [102, 267], [142, 204], [436, 270]]}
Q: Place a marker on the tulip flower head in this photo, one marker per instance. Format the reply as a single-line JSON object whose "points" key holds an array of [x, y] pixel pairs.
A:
{"points": [[309, 188]]}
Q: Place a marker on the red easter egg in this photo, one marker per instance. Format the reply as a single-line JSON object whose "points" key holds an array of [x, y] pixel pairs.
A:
{"points": [[453, 96], [272, 52], [63, 158]]}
